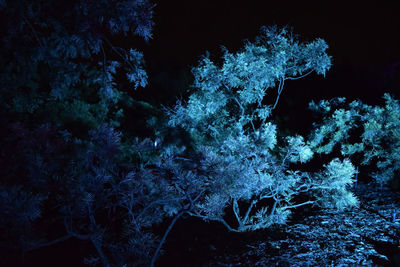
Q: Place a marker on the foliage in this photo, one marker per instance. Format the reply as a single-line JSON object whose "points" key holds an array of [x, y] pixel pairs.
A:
{"points": [[227, 120], [58, 59], [63, 164], [242, 81], [102, 190], [75, 171], [378, 141]]}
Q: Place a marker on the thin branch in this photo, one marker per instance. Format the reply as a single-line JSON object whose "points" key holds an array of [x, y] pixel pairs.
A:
{"points": [[280, 88], [227, 225], [236, 211], [155, 203], [35, 34], [50, 243], [299, 77], [153, 259], [306, 186], [288, 153], [266, 196], [192, 201], [118, 53], [90, 237], [249, 210], [298, 205], [240, 105], [254, 128], [221, 220], [357, 172], [103, 257], [91, 216], [104, 65], [273, 208], [130, 212], [69, 230]]}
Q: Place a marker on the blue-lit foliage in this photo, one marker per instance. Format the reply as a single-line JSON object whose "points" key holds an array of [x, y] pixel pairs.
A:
{"points": [[379, 139], [102, 190], [62, 55], [65, 166], [232, 128]]}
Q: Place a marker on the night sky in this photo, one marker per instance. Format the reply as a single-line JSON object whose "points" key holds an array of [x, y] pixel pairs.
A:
{"points": [[363, 39]]}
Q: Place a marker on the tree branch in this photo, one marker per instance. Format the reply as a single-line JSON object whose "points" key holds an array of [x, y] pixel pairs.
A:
{"points": [[280, 88], [249, 210], [227, 225], [236, 211], [298, 205], [118, 53], [154, 258], [299, 77], [33, 31], [99, 250], [58, 240]]}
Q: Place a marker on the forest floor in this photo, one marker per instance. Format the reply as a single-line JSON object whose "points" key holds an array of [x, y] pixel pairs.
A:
{"points": [[364, 236]]}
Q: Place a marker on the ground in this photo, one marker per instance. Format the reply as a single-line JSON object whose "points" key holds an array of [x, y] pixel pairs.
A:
{"points": [[367, 235]]}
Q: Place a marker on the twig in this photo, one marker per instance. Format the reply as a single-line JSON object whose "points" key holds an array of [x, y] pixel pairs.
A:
{"points": [[153, 259], [299, 77], [280, 88], [33, 31]]}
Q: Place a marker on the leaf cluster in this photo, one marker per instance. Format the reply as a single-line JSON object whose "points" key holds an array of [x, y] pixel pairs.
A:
{"points": [[377, 138]]}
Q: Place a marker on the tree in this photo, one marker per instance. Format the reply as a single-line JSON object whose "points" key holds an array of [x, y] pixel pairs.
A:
{"points": [[76, 172], [61, 156], [59, 62], [228, 122]]}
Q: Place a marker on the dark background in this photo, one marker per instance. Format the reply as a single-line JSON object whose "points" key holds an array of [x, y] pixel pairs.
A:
{"points": [[363, 39]]}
